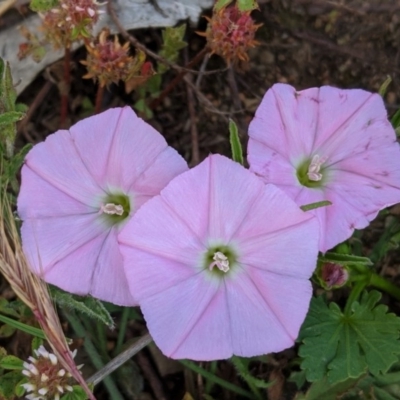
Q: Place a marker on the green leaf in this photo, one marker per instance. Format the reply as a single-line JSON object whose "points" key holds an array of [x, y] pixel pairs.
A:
{"points": [[7, 308], [341, 346], [241, 366], [11, 362], [318, 204], [236, 147], [247, 5], [384, 86], [221, 4], [8, 96], [77, 394], [396, 119], [6, 331], [42, 5], [172, 43], [19, 390], [8, 382], [323, 390], [87, 305], [23, 327], [36, 343], [10, 117]]}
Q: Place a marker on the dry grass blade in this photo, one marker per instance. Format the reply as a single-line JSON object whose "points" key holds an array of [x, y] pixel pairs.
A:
{"points": [[33, 291]]}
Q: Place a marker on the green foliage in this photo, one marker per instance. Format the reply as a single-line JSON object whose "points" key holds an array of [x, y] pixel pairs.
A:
{"points": [[87, 306], [345, 259], [242, 5], [247, 5], [77, 394], [219, 4], [396, 119], [9, 114], [324, 390], [8, 384], [172, 43], [382, 90], [11, 362], [236, 147], [339, 345], [318, 204], [42, 5], [242, 367], [10, 167]]}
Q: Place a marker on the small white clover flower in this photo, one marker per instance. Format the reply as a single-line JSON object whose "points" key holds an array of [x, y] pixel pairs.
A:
{"points": [[46, 378]]}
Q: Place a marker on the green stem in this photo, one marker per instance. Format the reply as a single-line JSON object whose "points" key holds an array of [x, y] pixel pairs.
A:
{"points": [[385, 285], [93, 355], [122, 329], [354, 295], [227, 385]]}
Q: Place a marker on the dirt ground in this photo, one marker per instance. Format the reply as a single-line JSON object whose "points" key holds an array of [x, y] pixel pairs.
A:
{"points": [[306, 43]]}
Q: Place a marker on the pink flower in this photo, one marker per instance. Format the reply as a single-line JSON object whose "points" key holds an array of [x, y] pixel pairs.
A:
{"points": [[328, 144], [219, 263], [79, 188]]}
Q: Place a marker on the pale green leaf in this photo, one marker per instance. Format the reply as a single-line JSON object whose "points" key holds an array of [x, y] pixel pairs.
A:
{"points": [[236, 147], [247, 5], [88, 306]]}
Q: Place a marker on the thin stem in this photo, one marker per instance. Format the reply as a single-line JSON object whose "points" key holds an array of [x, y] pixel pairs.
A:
{"points": [[195, 60], [122, 329], [120, 359], [99, 99], [385, 285], [23, 327], [64, 90], [93, 355], [354, 295], [227, 385]]}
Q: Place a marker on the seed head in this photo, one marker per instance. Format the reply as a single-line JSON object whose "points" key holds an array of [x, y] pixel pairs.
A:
{"points": [[71, 20], [230, 34], [109, 62]]}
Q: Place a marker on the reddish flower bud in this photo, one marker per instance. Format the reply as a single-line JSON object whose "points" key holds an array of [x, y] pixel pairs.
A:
{"points": [[333, 275]]}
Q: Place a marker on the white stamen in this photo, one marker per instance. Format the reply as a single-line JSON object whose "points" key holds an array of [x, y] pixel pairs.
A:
{"points": [[61, 372], [220, 261], [28, 387], [44, 378], [111, 209], [91, 12], [77, 8], [314, 168]]}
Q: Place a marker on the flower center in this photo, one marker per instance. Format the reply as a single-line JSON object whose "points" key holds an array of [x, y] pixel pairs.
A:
{"points": [[115, 208], [310, 173], [220, 261], [111, 209]]}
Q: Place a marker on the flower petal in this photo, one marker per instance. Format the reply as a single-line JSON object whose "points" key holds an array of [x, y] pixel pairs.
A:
{"points": [[56, 161], [40, 199], [196, 309], [118, 160]]}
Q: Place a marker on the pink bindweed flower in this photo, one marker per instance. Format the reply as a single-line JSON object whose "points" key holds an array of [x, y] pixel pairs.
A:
{"points": [[79, 188], [328, 144], [220, 263]]}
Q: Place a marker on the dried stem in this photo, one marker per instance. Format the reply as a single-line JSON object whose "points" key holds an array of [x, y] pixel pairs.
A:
{"points": [[120, 359], [65, 87], [195, 60], [33, 291], [99, 99]]}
